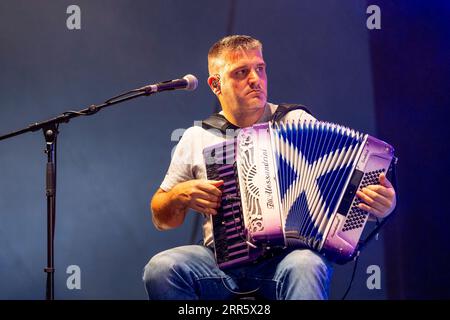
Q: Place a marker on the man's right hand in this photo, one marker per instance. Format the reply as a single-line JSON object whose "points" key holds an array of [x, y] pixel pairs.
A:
{"points": [[200, 195], [169, 208]]}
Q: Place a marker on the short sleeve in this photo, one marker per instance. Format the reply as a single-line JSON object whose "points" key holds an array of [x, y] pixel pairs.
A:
{"points": [[180, 168]]}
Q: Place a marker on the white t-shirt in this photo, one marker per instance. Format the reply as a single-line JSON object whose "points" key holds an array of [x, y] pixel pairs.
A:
{"points": [[187, 159]]}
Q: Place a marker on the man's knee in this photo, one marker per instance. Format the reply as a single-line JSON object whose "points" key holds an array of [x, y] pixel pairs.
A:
{"points": [[177, 274], [305, 275], [159, 267], [308, 262], [180, 262]]}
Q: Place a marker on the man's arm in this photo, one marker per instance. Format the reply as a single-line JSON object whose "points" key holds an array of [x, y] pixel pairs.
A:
{"points": [[169, 208]]}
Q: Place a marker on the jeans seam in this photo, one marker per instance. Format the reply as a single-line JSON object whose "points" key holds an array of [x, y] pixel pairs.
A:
{"points": [[279, 286], [208, 277], [182, 278]]}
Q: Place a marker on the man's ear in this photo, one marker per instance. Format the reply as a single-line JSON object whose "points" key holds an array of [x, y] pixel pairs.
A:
{"points": [[214, 83]]}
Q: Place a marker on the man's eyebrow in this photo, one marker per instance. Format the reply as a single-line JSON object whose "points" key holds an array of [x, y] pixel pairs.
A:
{"points": [[243, 66], [239, 67]]}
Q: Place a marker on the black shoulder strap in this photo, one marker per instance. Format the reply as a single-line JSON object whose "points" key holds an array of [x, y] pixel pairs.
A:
{"points": [[218, 121]]}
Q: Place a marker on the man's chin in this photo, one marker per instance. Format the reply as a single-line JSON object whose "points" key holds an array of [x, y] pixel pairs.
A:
{"points": [[257, 103]]}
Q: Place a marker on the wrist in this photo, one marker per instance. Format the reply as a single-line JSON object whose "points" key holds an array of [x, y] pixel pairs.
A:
{"points": [[178, 199]]}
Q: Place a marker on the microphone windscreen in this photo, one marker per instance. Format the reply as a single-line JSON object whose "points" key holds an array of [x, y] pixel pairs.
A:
{"points": [[192, 82]]}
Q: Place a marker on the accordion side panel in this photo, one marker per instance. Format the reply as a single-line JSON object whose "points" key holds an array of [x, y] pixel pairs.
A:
{"points": [[256, 173], [347, 227]]}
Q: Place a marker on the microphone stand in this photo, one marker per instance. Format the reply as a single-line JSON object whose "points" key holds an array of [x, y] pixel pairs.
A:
{"points": [[50, 130]]}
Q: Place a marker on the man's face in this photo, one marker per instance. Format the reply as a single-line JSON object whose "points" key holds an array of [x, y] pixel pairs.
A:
{"points": [[243, 81]]}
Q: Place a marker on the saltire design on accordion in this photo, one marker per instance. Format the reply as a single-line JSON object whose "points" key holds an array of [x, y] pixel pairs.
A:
{"points": [[292, 184]]}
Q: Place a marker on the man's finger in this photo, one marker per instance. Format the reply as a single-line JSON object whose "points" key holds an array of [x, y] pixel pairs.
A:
{"points": [[388, 193], [216, 183], [375, 212], [372, 203], [206, 203], [210, 189], [376, 196], [384, 181], [200, 194], [207, 211]]}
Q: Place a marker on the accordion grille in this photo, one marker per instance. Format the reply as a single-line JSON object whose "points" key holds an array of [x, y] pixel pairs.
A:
{"points": [[356, 217]]}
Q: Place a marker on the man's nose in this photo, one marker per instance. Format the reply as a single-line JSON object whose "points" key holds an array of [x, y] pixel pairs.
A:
{"points": [[254, 77]]}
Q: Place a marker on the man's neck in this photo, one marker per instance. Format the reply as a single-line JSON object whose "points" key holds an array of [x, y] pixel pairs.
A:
{"points": [[247, 119]]}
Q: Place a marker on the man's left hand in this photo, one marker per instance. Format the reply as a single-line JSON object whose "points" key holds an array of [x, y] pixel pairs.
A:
{"points": [[378, 199]]}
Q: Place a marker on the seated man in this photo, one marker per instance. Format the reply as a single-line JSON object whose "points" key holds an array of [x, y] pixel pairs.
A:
{"points": [[238, 79]]}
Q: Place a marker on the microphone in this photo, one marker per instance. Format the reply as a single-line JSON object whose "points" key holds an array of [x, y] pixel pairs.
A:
{"points": [[188, 82]]}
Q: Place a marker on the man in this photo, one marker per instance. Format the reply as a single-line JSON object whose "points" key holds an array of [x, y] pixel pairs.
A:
{"points": [[238, 79]]}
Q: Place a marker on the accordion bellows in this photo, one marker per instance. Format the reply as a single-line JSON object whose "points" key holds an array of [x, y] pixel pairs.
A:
{"points": [[292, 184]]}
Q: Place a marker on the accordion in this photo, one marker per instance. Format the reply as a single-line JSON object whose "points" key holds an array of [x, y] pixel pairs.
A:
{"points": [[292, 185]]}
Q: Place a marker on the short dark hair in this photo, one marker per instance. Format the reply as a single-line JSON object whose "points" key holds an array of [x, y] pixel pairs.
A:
{"points": [[231, 43]]}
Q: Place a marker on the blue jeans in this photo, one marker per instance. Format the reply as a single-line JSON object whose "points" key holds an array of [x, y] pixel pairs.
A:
{"points": [[191, 273]]}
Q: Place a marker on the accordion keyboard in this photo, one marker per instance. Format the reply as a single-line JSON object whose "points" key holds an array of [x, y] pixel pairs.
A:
{"points": [[230, 239]]}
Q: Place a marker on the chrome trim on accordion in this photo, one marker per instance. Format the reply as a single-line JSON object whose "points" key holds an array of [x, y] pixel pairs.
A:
{"points": [[292, 184]]}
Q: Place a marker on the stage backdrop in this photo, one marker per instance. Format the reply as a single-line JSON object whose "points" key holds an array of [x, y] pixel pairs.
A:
{"points": [[110, 164], [411, 72]]}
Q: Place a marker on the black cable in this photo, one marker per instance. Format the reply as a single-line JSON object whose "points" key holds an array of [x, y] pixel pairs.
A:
{"points": [[353, 277], [124, 94]]}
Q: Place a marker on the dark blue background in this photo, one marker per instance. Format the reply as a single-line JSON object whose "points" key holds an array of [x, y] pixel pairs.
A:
{"points": [[318, 53]]}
